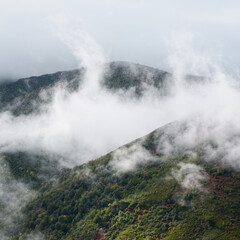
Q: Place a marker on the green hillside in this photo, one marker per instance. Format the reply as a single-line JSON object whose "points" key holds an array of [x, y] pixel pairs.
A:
{"points": [[95, 201]]}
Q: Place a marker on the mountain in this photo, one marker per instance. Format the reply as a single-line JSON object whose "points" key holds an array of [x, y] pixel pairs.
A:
{"points": [[32, 95], [24, 95], [173, 196], [25, 173], [155, 187], [28, 95]]}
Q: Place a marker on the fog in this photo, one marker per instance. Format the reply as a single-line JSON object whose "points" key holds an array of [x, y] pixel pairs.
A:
{"points": [[94, 121]]}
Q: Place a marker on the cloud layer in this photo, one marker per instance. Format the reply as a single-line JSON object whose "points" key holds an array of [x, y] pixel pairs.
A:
{"points": [[93, 121]]}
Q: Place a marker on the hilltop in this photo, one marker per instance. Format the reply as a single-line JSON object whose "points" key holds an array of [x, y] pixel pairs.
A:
{"points": [[24, 95]]}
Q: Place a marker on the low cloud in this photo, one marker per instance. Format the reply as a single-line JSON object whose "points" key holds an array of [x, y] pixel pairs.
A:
{"points": [[93, 121], [14, 194], [189, 176], [128, 158]]}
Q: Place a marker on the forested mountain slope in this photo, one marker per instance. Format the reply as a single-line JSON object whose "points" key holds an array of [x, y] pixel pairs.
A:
{"points": [[149, 195]]}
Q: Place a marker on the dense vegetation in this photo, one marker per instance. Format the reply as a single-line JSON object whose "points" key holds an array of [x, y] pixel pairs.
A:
{"points": [[31, 169], [92, 201]]}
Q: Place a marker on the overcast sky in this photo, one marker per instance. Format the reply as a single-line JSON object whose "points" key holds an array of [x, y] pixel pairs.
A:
{"points": [[129, 30]]}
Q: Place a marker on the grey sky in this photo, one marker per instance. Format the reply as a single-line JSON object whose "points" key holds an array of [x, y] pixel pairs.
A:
{"points": [[133, 30]]}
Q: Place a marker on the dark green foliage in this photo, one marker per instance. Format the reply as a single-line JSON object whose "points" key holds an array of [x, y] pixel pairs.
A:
{"points": [[31, 169], [144, 204]]}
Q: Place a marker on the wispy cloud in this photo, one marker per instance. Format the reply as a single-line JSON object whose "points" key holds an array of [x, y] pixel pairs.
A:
{"points": [[128, 158], [189, 176]]}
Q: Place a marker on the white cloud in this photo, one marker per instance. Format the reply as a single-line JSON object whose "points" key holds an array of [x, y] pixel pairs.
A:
{"points": [[189, 176], [92, 121], [14, 194], [127, 158]]}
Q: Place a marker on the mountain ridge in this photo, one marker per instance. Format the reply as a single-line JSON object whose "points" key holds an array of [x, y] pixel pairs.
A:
{"points": [[155, 187]]}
